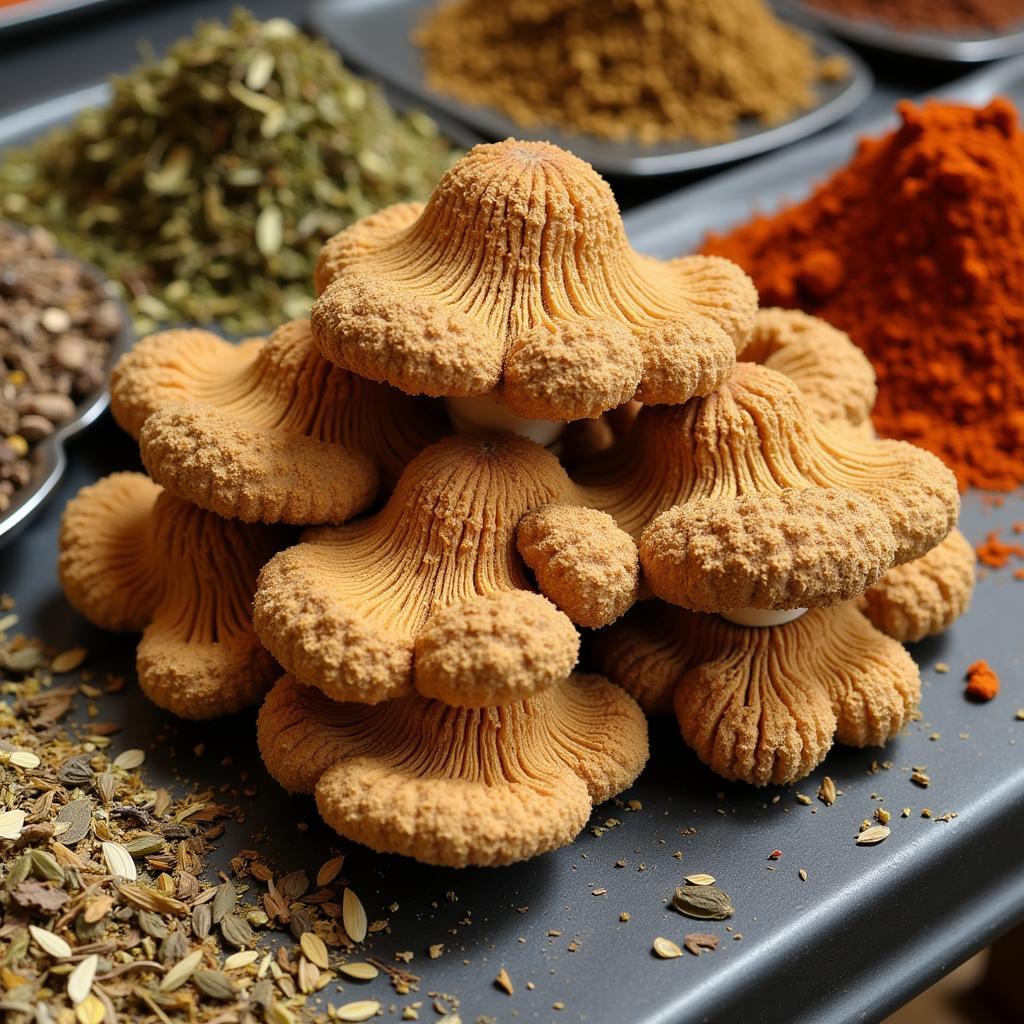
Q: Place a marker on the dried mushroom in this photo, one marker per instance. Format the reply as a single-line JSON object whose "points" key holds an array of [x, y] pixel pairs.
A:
{"points": [[835, 377], [762, 705], [431, 590], [516, 282], [265, 431], [134, 558], [926, 596], [456, 786], [755, 436]]}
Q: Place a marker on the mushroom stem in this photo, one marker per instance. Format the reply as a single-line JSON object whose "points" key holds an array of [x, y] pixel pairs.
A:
{"points": [[759, 617], [481, 412]]}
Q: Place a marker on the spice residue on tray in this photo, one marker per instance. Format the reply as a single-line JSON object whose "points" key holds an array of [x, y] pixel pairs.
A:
{"points": [[56, 326], [625, 69], [982, 682], [931, 15], [916, 249], [209, 183]]}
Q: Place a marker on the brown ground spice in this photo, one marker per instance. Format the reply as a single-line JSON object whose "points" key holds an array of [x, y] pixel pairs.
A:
{"points": [[943, 15], [646, 69]]}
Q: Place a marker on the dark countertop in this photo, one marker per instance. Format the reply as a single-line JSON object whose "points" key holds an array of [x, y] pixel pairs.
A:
{"points": [[867, 930]]}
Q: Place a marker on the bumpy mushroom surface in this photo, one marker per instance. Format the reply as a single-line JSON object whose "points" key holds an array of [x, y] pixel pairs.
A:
{"points": [[361, 610], [265, 431], [835, 377], [762, 705], [755, 436], [516, 281], [135, 558], [800, 548], [925, 596], [456, 786]]}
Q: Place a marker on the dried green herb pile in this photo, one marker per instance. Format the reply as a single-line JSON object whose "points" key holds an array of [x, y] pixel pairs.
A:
{"points": [[208, 185], [109, 909]]}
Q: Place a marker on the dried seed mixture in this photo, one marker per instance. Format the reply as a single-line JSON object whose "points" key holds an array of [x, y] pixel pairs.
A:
{"points": [[56, 326], [109, 908], [208, 185]]}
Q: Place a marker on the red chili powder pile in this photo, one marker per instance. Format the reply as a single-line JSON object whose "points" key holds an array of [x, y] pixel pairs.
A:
{"points": [[916, 249]]}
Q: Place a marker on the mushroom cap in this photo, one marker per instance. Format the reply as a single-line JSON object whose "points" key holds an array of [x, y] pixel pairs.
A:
{"points": [[800, 548], [835, 377], [582, 561], [133, 557], [105, 567], [494, 649], [754, 435], [762, 705], [926, 596], [246, 429], [456, 786], [342, 610], [516, 279]]}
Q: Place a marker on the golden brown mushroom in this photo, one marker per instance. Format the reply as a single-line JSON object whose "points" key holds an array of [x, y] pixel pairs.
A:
{"points": [[456, 786], [135, 558], [762, 705], [265, 431], [431, 589], [835, 377], [754, 436], [925, 596], [516, 282]]}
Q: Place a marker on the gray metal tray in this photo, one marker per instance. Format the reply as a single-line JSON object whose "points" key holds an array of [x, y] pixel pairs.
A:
{"points": [[962, 46], [375, 35], [31, 14]]}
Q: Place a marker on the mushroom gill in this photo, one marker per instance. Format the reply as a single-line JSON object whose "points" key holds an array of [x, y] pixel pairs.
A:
{"points": [[135, 558], [456, 786]]}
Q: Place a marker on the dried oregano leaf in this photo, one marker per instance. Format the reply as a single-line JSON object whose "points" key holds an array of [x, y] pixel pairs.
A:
{"points": [[704, 902]]}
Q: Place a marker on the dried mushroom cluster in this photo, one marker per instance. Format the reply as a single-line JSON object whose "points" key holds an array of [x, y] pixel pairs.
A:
{"points": [[427, 620]]}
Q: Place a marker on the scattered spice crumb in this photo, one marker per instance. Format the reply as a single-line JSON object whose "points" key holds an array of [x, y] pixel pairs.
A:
{"points": [[920, 778], [827, 791], [882, 816], [995, 552], [802, 798], [941, 667], [624, 916], [775, 855], [504, 982], [803, 874], [926, 812], [982, 682], [696, 941], [905, 813]]}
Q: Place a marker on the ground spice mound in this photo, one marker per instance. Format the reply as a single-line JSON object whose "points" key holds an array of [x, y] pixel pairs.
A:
{"points": [[916, 249], [982, 682], [941, 15], [208, 184], [645, 69]]}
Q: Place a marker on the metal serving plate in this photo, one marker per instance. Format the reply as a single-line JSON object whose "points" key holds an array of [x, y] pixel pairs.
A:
{"points": [[374, 35], [962, 46], [678, 222], [49, 458], [29, 14]]}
